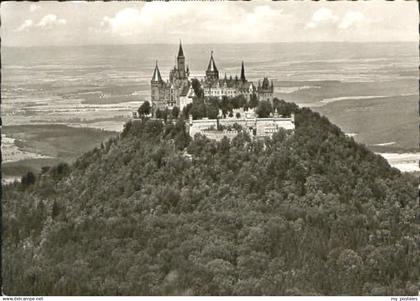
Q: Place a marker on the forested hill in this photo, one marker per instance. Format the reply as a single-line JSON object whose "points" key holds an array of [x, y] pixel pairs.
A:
{"points": [[304, 214]]}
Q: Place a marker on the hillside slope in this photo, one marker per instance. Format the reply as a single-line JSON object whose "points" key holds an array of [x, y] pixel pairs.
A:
{"points": [[304, 214]]}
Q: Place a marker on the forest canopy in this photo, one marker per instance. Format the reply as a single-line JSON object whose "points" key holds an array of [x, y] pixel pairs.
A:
{"points": [[154, 212]]}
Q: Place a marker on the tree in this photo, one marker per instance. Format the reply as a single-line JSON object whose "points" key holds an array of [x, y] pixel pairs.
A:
{"points": [[212, 112], [165, 114], [253, 101], [175, 112], [195, 83], [28, 179], [264, 109], [225, 105], [186, 111], [235, 102], [55, 211], [144, 109], [182, 138], [238, 101], [284, 108], [198, 110], [161, 114], [45, 169], [126, 128]]}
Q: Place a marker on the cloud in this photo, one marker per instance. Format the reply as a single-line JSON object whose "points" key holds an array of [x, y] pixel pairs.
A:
{"points": [[352, 18], [124, 22], [34, 7], [163, 21], [49, 21], [25, 25], [258, 15], [323, 16], [207, 22], [130, 21]]}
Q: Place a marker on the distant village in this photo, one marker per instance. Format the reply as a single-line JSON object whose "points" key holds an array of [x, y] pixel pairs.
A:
{"points": [[216, 107]]}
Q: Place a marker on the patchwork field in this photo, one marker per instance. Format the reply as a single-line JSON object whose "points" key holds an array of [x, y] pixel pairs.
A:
{"points": [[384, 124], [48, 144]]}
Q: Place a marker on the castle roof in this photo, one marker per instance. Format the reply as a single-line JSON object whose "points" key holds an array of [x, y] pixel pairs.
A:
{"points": [[212, 65], [265, 83], [180, 51], [242, 86], [156, 74], [243, 72], [266, 86]]}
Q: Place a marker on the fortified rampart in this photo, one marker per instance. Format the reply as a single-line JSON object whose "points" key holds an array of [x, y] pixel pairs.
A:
{"points": [[257, 127]]}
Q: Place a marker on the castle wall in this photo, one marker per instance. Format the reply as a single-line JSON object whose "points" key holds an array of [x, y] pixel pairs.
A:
{"points": [[198, 126], [263, 127], [218, 135], [269, 126]]}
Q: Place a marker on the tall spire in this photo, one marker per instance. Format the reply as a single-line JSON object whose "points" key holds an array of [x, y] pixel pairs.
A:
{"points": [[156, 74], [243, 72], [180, 51], [212, 65]]}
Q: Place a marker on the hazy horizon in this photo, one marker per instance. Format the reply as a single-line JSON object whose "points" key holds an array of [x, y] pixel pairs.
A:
{"points": [[215, 43]]}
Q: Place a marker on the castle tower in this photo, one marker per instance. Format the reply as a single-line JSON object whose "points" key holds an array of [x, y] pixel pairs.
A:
{"points": [[212, 73], [265, 90], [156, 84], [243, 79], [181, 62]]}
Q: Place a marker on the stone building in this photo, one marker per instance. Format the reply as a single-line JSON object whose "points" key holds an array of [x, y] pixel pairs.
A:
{"points": [[177, 90], [167, 94], [213, 86], [265, 90]]}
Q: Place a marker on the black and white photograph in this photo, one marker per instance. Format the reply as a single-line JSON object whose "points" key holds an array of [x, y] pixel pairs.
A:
{"points": [[210, 148]]}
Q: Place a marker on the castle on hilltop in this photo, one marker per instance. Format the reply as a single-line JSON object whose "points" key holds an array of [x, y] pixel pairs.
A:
{"points": [[177, 91]]}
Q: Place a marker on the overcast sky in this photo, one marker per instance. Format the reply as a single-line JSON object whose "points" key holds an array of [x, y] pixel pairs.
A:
{"points": [[79, 23]]}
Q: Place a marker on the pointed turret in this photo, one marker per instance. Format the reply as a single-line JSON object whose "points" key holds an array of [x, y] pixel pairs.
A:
{"points": [[212, 65], [265, 83], [243, 79], [180, 51], [156, 74], [212, 73], [157, 88]]}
